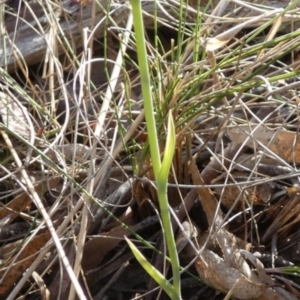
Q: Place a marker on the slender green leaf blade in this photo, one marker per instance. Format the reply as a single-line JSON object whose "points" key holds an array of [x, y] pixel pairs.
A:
{"points": [[169, 150], [155, 274]]}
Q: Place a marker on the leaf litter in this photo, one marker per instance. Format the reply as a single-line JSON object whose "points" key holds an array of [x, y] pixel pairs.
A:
{"points": [[241, 155]]}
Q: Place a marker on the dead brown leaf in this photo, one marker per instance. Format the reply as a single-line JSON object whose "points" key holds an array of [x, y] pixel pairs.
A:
{"points": [[21, 202], [284, 143], [25, 258], [14, 231], [207, 198], [276, 293], [103, 243], [218, 274], [234, 195], [231, 274]]}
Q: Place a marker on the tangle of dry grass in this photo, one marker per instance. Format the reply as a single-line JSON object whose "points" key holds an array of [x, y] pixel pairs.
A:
{"points": [[74, 161]]}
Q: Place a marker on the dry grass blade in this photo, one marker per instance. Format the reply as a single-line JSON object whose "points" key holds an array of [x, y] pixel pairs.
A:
{"points": [[212, 44], [45, 294], [74, 155]]}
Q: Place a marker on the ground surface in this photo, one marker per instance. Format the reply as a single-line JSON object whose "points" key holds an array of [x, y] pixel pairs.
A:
{"points": [[75, 166]]}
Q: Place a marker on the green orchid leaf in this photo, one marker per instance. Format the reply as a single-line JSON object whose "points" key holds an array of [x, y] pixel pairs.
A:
{"points": [[154, 273]]}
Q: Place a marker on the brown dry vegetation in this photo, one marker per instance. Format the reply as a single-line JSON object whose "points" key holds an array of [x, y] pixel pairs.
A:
{"points": [[76, 175]]}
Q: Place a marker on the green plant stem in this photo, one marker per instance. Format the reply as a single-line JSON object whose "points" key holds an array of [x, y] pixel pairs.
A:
{"points": [[161, 170], [146, 84], [162, 189]]}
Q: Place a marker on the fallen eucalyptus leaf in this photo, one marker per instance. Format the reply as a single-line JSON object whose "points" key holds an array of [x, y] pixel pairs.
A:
{"points": [[231, 274], [284, 143], [215, 271]]}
